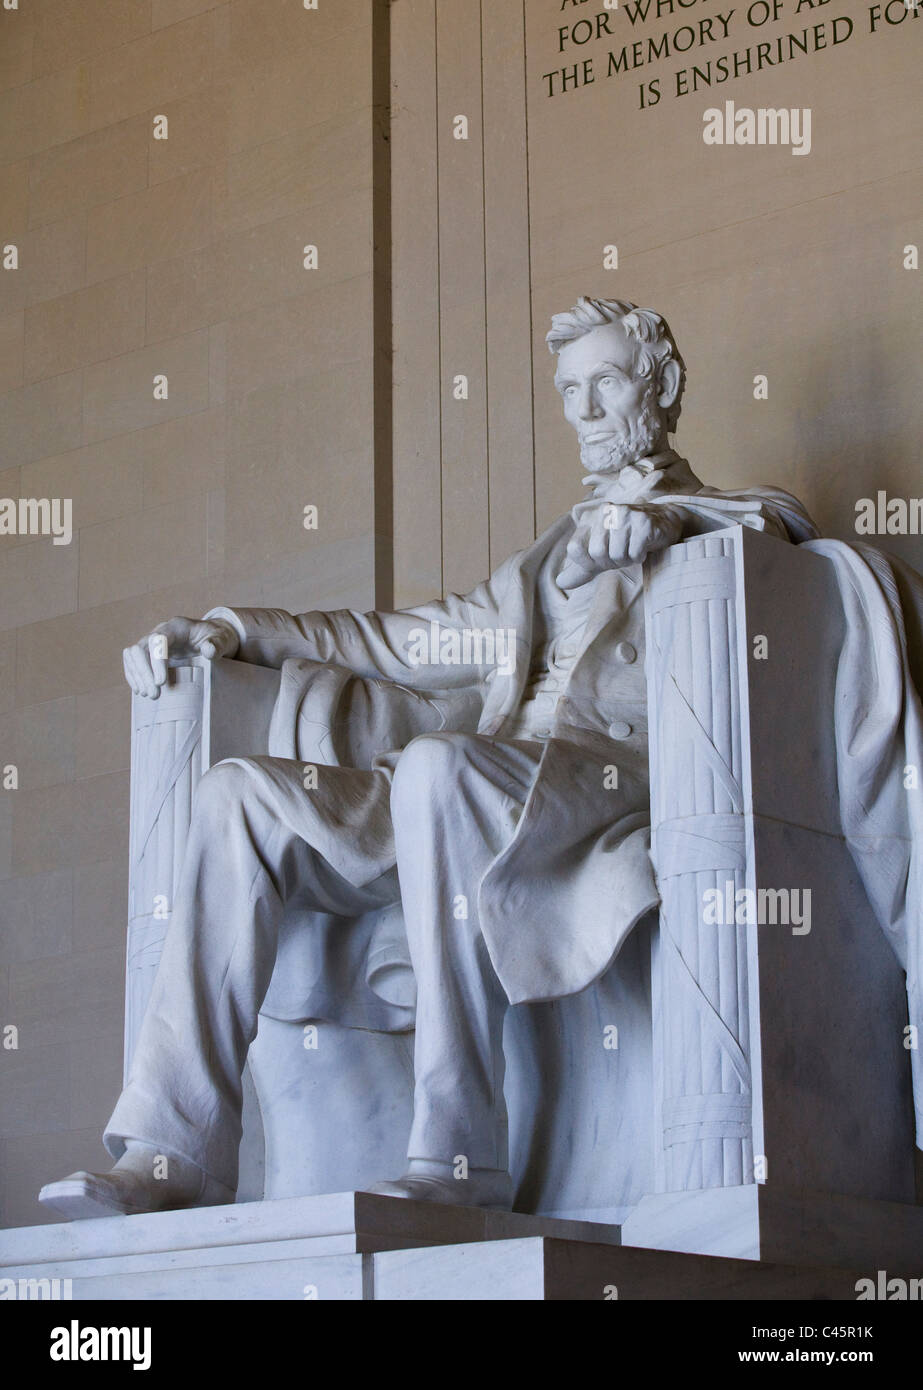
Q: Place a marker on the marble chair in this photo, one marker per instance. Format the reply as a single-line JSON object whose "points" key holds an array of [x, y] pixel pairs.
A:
{"points": [[727, 1086]]}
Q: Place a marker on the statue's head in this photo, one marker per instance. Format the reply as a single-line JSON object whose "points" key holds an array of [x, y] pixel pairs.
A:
{"points": [[621, 378]]}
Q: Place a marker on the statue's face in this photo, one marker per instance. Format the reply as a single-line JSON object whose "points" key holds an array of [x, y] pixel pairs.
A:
{"points": [[613, 410]]}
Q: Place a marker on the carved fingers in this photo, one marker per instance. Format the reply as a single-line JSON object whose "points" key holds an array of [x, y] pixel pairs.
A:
{"points": [[636, 532], [146, 663], [138, 672], [212, 638], [610, 535]]}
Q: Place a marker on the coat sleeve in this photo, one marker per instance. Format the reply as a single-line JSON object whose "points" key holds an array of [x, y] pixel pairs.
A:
{"points": [[382, 645]]}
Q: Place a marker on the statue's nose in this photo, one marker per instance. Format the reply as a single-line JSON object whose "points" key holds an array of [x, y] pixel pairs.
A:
{"points": [[589, 406]]}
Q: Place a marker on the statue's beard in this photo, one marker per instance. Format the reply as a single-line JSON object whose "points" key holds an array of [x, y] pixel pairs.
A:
{"points": [[639, 437]]}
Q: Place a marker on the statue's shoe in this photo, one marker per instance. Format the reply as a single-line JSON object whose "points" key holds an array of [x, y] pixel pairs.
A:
{"points": [[479, 1189], [83, 1196]]}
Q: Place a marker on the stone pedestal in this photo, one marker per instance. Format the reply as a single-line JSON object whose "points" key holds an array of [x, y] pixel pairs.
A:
{"points": [[768, 1223], [355, 1246], [287, 1249]]}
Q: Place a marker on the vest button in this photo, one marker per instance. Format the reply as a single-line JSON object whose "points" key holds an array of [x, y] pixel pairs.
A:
{"points": [[619, 729], [626, 652]]}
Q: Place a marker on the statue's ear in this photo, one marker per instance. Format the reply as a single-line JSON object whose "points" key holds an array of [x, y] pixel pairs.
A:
{"points": [[670, 379]]}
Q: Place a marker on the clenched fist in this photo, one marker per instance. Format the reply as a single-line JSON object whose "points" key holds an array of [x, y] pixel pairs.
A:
{"points": [[612, 534], [146, 662]]}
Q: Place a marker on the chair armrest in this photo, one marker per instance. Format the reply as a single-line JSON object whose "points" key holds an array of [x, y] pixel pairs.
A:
{"points": [[237, 709], [766, 938]]}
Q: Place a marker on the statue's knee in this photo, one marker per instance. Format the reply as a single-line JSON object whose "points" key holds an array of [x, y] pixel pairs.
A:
{"points": [[223, 787], [431, 761]]}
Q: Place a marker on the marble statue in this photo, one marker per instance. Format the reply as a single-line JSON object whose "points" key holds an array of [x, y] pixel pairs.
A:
{"points": [[503, 808]]}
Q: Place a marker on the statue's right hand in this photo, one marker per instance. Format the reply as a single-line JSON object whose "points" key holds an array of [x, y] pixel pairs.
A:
{"points": [[145, 663]]}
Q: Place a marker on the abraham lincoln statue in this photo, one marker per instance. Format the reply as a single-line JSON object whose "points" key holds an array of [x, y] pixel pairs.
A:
{"points": [[519, 862]]}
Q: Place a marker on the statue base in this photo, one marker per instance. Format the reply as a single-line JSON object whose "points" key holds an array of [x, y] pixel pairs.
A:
{"points": [[356, 1246], [766, 1223]]}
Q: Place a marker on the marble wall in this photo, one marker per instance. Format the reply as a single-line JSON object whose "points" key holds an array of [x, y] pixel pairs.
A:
{"points": [[141, 257]]}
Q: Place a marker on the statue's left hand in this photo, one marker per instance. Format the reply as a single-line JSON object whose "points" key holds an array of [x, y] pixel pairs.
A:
{"points": [[145, 663], [610, 535]]}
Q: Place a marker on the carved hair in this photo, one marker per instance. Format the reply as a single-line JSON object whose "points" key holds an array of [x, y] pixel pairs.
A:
{"points": [[656, 343]]}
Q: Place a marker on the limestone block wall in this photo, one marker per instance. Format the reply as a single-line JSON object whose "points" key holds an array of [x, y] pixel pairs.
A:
{"points": [[796, 268], [766, 263]]}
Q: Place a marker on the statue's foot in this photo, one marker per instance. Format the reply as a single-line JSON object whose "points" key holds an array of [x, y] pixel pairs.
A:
{"points": [[131, 1188], [482, 1188]]}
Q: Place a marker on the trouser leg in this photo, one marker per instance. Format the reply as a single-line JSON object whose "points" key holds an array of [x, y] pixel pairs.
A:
{"points": [[455, 803], [248, 853]]}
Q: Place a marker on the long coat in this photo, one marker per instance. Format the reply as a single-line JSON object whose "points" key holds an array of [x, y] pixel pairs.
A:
{"points": [[558, 902]]}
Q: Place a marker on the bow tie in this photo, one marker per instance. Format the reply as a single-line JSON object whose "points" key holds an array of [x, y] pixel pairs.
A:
{"points": [[635, 480]]}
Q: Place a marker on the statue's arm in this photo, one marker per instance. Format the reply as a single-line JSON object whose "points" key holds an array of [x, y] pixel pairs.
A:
{"points": [[375, 644], [381, 645]]}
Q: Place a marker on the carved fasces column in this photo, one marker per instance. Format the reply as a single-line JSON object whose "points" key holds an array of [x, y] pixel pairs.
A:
{"points": [[703, 1093], [166, 765]]}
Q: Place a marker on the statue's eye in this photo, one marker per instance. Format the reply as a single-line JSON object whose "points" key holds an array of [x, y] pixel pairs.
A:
{"points": [[607, 381], [570, 390]]}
